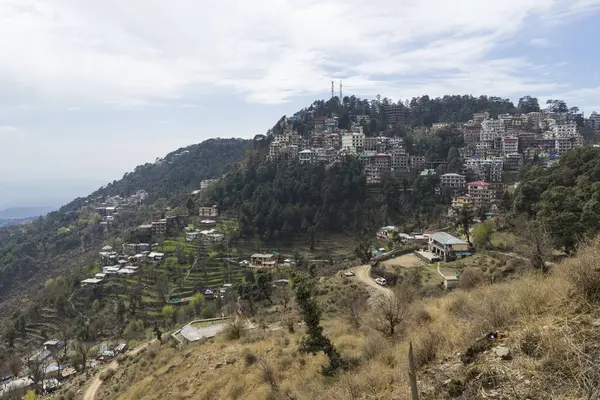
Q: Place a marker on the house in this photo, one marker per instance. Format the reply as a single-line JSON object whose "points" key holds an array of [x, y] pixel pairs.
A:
{"points": [[263, 260], [16, 389], [386, 233], [455, 181], [156, 256], [447, 246], [191, 236], [107, 248], [481, 193], [159, 227], [209, 211], [91, 281], [212, 235], [307, 156], [121, 348], [190, 334], [462, 201], [54, 344]]}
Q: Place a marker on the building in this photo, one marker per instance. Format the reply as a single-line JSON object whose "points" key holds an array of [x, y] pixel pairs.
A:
{"points": [[205, 184], [452, 180], [563, 144], [513, 162], [400, 160], [491, 129], [383, 161], [353, 142], [307, 156], [462, 201], [417, 163], [159, 227], [480, 193], [481, 116], [263, 260], [566, 130], [373, 174], [471, 132], [395, 114], [510, 145], [488, 169], [209, 211], [447, 246]]}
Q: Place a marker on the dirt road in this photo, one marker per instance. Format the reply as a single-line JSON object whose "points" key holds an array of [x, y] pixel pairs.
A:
{"points": [[91, 391], [363, 274]]}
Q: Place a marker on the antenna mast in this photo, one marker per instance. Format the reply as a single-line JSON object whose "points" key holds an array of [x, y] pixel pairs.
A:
{"points": [[332, 90], [341, 97]]}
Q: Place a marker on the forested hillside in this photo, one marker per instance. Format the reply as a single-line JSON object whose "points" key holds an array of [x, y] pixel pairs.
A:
{"points": [[58, 241], [565, 198]]}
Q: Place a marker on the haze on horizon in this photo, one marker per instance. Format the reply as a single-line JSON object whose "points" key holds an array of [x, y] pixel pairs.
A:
{"points": [[89, 91]]}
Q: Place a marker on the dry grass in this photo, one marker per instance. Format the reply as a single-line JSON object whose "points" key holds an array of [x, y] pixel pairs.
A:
{"points": [[546, 319]]}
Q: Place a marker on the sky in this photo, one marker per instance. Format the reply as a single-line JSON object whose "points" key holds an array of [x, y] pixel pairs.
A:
{"points": [[91, 89]]}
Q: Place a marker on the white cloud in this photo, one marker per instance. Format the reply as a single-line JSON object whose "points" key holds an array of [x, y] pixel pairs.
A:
{"points": [[137, 52], [540, 42], [10, 132]]}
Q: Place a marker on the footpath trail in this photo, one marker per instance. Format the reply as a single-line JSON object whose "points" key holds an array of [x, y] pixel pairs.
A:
{"points": [[90, 392], [363, 274]]}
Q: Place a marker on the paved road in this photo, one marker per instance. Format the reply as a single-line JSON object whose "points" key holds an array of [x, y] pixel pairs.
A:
{"points": [[363, 274], [90, 393]]}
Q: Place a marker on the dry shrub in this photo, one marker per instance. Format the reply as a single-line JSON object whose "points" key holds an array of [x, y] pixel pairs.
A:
{"points": [[249, 357], [583, 272], [532, 343], [374, 346], [470, 277], [427, 346], [236, 391]]}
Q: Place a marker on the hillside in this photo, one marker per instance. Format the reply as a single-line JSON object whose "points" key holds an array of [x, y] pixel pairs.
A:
{"points": [[64, 240], [547, 348], [24, 212]]}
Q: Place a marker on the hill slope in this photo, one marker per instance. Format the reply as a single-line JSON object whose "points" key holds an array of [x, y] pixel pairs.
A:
{"points": [[66, 238]]}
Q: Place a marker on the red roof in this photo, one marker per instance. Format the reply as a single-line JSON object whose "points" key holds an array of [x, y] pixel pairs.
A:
{"points": [[479, 183], [383, 155]]}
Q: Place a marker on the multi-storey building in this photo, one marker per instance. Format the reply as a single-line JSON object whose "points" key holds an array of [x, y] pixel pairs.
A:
{"points": [[383, 161], [452, 180], [395, 114], [513, 161], [480, 117], [563, 144], [510, 144], [491, 129], [159, 227], [534, 119], [332, 140], [417, 163], [489, 169], [565, 130], [471, 132], [353, 142], [526, 141], [373, 174], [212, 211], [400, 160], [480, 193], [594, 120], [307, 156]]}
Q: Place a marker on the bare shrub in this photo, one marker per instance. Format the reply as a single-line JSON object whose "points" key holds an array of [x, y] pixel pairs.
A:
{"points": [[394, 310], [249, 357], [267, 374], [373, 347], [583, 272], [427, 346], [234, 329], [470, 277]]}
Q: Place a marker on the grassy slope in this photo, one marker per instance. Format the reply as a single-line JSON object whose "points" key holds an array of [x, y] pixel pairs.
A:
{"points": [[547, 322]]}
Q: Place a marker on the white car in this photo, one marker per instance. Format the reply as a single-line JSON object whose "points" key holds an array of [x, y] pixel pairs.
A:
{"points": [[348, 273], [380, 281]]}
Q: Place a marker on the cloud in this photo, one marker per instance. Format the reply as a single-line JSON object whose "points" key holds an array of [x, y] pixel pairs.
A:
{"points": [[540, 42], [10, 132], [138, 52]]}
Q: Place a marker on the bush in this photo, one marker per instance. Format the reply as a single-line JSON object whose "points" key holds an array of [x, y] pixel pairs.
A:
{"points": [[107, 374], [373, 347], [427, 347], [249, 357], [470, 277], [583, 272], [210, 311], [234, 328]]}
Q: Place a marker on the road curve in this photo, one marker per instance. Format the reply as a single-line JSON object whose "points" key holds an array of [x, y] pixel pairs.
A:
{"points": [[90, 392], [363, 274]]}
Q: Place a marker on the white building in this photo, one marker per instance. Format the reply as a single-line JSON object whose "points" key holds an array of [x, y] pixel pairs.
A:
{"points": [[353, 142], [510, 145], [492, 129], [452, 180], [306, 156], [566, 130]]}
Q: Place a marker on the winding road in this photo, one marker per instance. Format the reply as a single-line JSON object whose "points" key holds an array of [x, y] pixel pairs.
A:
{"points": [[90, 392], [363, 274]]}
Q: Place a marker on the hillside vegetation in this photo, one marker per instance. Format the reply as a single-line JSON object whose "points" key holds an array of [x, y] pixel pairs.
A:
{"points": [[66, 239], [565, 198], [548, 349]]}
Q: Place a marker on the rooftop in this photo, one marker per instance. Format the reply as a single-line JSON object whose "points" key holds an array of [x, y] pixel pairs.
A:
{"points": [[445, 238], [479, 183]]}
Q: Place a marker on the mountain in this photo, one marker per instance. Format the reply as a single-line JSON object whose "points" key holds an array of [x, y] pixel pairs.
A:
{"points": [[69, 237], [24, 212]]}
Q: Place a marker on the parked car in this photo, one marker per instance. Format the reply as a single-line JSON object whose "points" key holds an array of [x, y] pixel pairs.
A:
{"points": [[380, 281], [348, 273]]}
